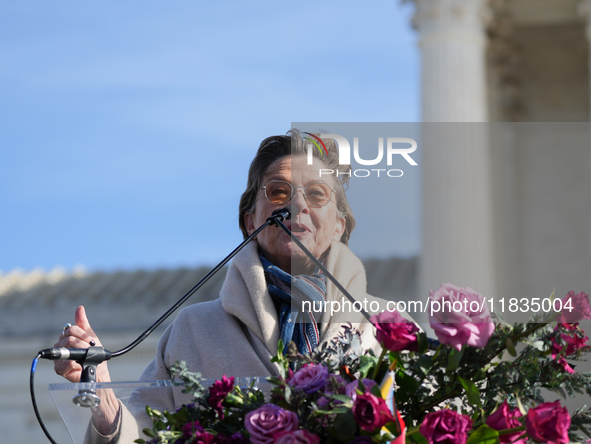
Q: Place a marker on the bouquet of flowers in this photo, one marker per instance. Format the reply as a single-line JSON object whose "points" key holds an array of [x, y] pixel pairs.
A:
{"points": [[485, 383]]}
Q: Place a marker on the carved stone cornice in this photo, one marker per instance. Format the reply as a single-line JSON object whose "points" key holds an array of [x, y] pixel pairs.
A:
{"points": [[434, 16]]}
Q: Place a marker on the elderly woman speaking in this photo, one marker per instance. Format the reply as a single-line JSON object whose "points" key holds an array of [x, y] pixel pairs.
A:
{"points": [[238, 333]]}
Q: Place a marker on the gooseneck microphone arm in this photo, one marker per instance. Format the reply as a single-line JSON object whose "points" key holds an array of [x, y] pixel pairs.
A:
{"points": [[80, 354]]}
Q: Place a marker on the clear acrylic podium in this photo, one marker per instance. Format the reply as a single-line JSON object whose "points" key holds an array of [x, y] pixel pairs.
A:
{"points": [[77, 418]]}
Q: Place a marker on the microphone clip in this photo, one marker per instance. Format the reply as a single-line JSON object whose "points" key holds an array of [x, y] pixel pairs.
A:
{"points": [[87, 397]]}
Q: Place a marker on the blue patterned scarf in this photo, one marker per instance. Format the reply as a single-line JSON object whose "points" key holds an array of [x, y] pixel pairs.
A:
{"points": [[289, 292]]}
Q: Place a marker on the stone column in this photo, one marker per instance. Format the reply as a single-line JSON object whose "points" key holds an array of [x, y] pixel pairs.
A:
{"points": [[453, 42], [457, 201]]}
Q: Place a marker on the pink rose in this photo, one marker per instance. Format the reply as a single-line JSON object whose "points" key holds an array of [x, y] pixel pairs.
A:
{"points": [[549, 423], [218, 392], [394, 332], [505, 418], [580, 308], [460, 316], [310, 378], [446, 427], [267, 421], [371, 412], [351, 388], [296, 437], [573, 343]]}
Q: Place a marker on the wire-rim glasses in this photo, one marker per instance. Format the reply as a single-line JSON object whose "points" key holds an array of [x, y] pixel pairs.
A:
{"points": [[279, 192]]}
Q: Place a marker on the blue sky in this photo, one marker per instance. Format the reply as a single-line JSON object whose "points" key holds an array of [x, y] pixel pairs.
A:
{"points": [[127, 127]]}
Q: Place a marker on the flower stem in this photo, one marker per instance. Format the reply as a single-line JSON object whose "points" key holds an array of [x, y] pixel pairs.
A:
{"points": [[381, 358]]}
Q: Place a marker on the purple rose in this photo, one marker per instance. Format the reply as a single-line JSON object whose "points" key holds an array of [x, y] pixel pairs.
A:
{"points": [[460, 316], [218, 392], [580, 308], [505, 418], [310, 378], [351, 388], [446, 427], [267, 421], [394, 332], [549, 422], [371, 412], [296, 437]]}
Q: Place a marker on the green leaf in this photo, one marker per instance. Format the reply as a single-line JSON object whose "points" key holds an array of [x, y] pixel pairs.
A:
{"points": [[471, 391], [511, 347], [280, 347], [287, 392], [149, 433], [376, 391], [366, 365], [343, 398], [425, 363], [423, 343], [407, 385], [335, 411], [484, 435], [454, 359], [233, 399], [522, 409], [344, 426]]}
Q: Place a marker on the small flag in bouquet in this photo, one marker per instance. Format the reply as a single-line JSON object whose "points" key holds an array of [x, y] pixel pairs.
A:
{"points": [[387, 390]]}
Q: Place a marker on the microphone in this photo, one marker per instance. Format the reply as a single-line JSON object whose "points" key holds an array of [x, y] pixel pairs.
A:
{"points": [[94, 354], [279, 215]]}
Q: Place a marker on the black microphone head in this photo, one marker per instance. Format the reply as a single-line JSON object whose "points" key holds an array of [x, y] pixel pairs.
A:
{"points": [[285, 212]]}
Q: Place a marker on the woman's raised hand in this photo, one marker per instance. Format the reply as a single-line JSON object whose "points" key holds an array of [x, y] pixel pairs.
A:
{"points": [[79, 335]]}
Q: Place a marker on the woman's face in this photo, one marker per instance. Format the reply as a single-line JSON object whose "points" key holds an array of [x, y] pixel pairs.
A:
{"points": [[315, 227]]}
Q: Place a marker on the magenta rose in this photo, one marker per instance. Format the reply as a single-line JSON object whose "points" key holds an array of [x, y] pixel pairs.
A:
{"points": [[460, 316], [549, 423], [580, 308], [218, 392], [394, 332], [446, 427], [572, 342], [351, 388], [371, 412], [267, 421], [310, 378], [296, 437], [505, 418]]}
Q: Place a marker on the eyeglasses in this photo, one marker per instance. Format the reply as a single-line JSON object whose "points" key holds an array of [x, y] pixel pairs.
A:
{"points": [[279, 192]]}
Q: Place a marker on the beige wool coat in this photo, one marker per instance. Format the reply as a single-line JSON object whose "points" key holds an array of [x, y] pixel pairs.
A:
{"points": [[234, 335]]}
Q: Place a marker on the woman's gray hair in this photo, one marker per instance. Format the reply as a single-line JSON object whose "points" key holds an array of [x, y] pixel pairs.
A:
{"points": [[292, 144]]}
